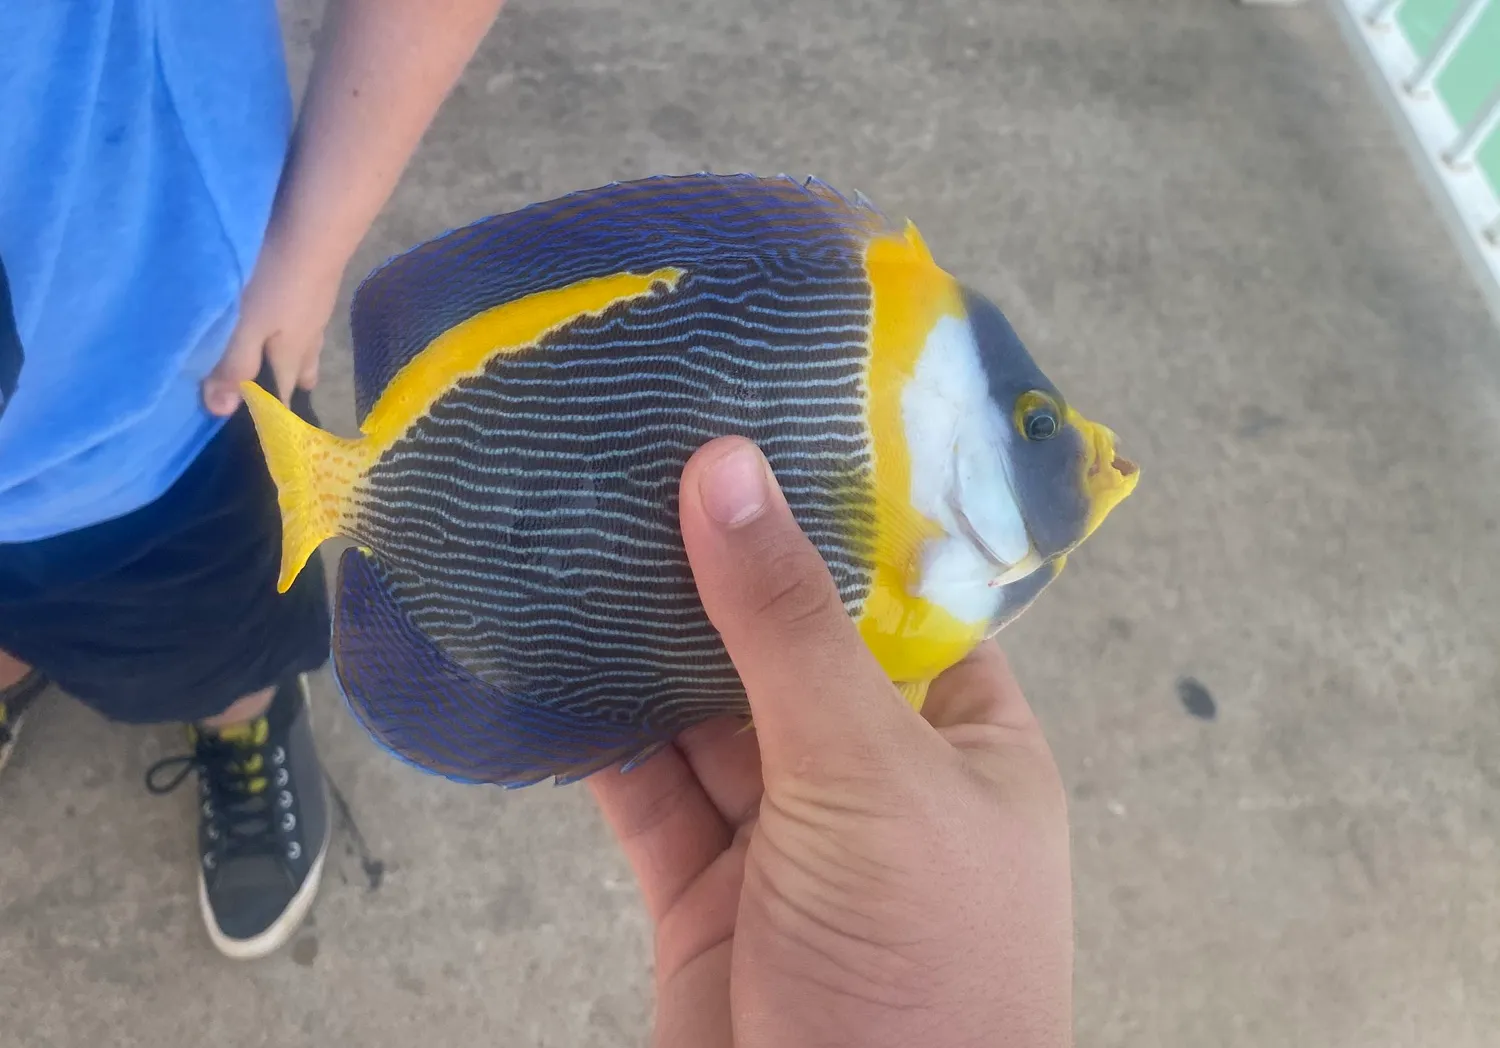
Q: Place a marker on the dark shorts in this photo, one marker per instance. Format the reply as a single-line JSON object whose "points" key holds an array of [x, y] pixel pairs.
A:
{"points": [[171, 612]]}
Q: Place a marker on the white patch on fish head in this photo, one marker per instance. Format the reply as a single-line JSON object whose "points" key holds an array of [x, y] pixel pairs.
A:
{"points": [[958, 441]]}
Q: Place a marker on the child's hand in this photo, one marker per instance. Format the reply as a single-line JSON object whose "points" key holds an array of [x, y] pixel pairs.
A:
{"points": [[283, 314], [381, 71]]}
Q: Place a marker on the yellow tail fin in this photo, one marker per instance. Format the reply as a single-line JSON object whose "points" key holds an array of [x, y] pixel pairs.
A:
{"points": [[315, 474]]}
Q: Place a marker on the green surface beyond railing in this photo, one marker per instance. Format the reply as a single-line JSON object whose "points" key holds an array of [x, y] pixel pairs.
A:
{"points": [[1471, 77]]}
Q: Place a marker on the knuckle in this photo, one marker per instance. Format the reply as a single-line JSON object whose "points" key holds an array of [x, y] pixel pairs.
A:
{"points": [[238, 363]]}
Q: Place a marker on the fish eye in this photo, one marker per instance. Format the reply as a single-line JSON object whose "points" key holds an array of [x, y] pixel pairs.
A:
{"points": [[1037, 416], [1041, 424]]}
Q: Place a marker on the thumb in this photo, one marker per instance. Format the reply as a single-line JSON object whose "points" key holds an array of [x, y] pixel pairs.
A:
{"points": [[814, 687], [241, 362]]}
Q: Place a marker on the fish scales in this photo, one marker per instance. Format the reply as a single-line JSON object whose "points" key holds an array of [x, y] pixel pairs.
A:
{"points": [[574, 591]]}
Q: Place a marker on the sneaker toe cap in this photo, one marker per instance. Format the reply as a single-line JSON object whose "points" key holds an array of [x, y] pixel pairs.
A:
{"points": [[249, 898]]}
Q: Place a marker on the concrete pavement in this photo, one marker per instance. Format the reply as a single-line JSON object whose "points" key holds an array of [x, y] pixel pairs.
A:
{"points": [[1199, 217]]}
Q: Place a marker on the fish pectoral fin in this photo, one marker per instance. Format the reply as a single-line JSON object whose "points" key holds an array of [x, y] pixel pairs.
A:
{"points": [[914, 692]]}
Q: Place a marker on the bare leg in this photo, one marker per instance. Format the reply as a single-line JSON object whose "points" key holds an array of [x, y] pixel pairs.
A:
{"points": [[11, 670], [242, 710]]}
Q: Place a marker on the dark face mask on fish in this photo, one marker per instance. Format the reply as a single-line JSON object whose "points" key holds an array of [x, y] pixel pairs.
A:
{"points": [[1016, 478]]}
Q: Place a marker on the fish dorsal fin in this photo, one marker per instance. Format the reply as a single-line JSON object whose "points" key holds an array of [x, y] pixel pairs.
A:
{"points": [[638, 226]]}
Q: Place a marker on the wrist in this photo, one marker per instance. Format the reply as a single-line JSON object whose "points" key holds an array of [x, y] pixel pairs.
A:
{"points": [[316, 250]]}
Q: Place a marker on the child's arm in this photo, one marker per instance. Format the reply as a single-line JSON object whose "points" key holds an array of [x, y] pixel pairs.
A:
{"points": [[381, 72]]}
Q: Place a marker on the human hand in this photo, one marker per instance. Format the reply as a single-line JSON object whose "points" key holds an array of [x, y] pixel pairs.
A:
{"points": [[852, 872], [283, 314]]}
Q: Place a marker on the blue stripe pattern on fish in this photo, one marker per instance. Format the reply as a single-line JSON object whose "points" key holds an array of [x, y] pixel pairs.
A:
{"points": [[529, 388]]}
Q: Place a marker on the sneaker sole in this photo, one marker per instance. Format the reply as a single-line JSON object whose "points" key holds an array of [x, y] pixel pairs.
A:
{"points": [[281, 930], [15, 736], [27, 690], [284, 927]]}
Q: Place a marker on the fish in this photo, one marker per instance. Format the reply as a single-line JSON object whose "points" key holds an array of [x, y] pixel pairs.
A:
{"points": [[515, 603]]}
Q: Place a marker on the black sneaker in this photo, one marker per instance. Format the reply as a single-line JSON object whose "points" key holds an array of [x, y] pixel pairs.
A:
{"points": [[13, 703], [263, 825]]}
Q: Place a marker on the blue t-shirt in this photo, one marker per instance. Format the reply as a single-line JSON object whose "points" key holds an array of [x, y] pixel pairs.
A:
{"points": [[140, 146]]}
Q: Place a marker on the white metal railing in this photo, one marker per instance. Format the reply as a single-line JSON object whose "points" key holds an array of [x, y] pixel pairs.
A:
{"points": [[1446, 153], [1465, 18]]}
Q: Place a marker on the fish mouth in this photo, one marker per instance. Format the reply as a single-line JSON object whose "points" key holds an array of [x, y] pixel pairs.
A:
{"points": [[1108, 476]]}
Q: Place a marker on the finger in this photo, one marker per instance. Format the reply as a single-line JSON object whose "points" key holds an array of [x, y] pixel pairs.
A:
{"points": [[693, 1005], [240, 363], [981, 689], [695, 956], [307, 377], [668, 828], [726, 759], [814, 686], [979, 708], [286, 365]]}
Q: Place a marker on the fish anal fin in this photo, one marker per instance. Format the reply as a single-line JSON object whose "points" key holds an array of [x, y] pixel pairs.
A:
{"points": [[628, 761], [422, 706], [636, 760]]}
